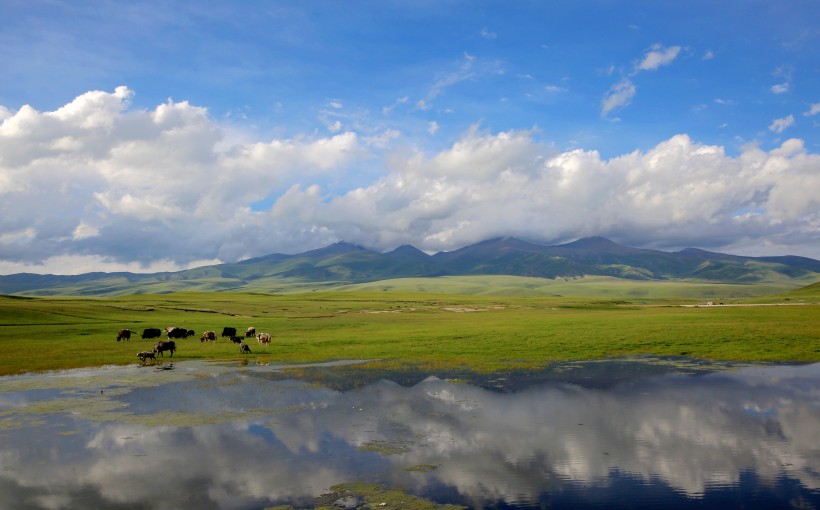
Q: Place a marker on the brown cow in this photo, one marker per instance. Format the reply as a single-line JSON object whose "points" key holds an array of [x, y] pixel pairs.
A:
{"points": [[208, 336], [251, 331], [124, 334], [244, 349], [263, 338], [165, 345]]}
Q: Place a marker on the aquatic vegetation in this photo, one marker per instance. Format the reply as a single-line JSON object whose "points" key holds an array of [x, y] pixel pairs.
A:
{"points": [[375, 496], [386, 447]]}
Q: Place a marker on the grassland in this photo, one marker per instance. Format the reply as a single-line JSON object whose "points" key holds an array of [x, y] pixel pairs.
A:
{"points": [[606, 287], [482, 332]]}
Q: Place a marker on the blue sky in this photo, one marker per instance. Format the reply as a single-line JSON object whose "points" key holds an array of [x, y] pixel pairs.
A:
{"points": [[436, 124]]}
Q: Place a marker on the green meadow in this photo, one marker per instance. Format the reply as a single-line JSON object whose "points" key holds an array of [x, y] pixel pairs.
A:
{"points": [[464, 327]]}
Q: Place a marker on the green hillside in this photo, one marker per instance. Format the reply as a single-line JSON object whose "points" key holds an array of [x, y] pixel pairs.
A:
{"points": [[592, 266]]}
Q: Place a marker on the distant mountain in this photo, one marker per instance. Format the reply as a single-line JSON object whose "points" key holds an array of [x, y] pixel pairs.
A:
{"points": [[345, 263]]}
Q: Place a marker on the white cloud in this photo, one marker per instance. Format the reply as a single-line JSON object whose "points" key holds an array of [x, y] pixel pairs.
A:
{"points": [[619, 95], [708, 55], [150, 187], [785, 73], [382, 140], [658, 56], [780, 88], [84, 231], [468, 68], [486, 34], [781, 124], [813, 110], [432, 127]]}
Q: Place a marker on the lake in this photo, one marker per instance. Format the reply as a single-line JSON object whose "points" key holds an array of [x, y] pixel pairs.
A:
{"points": [[627, 433]]}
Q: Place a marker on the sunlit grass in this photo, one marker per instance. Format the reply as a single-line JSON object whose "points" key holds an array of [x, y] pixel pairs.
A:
{"points": [[442, 330]]}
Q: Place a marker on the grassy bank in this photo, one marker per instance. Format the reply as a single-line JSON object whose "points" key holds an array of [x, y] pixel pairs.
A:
{"points": [[483, 332]]}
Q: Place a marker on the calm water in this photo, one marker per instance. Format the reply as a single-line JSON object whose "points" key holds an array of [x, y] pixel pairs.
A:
{"points": [[615, 434]]}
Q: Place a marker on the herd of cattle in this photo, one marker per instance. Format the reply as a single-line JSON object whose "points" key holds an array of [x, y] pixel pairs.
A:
{"points": [[175, 332]]}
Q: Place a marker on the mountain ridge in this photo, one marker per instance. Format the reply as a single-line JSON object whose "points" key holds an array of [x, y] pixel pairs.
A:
{"points": [[346, 263]]}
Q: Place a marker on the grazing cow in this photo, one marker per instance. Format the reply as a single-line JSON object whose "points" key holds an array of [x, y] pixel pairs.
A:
{"points": [[236, 339], [244, 349], [175, 332], [124, 334], [226, 331], [251, 331], [165, 345], [144, 355], [208, 336], [263, 338], [151, 333], [190, 332]]}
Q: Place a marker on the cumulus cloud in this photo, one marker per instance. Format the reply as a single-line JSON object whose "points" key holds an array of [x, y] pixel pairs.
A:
{"points": [[140, 188], [781, 124]]}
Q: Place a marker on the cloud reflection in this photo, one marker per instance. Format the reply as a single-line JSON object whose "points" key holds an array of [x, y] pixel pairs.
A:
{"points": [[689, 433]]}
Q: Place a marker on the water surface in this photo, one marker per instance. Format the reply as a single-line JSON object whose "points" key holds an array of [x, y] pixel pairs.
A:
{"points": [[608, 434]]}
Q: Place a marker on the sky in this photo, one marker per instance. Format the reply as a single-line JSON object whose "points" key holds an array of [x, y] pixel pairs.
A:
{"points": [[161, 135]]}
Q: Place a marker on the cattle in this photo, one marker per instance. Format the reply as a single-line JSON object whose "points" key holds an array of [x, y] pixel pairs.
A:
{"points": [[124, 334], [144, 355], [263, 338], [244, 349], [208, 336], [151, 333], [165, 345], [175, 332], [190, 332], [250, 332], [236, 339], [228, 332]]}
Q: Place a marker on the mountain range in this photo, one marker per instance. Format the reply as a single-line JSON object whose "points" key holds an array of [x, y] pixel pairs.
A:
{"points": [[343, 263]]}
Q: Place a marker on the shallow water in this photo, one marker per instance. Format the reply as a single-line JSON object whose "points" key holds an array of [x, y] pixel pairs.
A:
{"points": [[637, 433]]}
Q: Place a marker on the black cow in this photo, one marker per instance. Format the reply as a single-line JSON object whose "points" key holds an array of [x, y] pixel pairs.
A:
{"points": [[226, 331], [250, 332], [175, 332], [244, 349], [165, 345], [190, 332], [124, 334], [151, 333], [236, 339]]}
